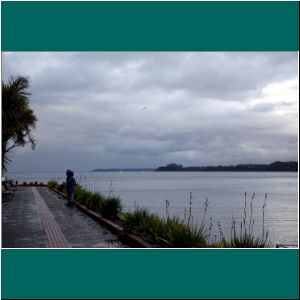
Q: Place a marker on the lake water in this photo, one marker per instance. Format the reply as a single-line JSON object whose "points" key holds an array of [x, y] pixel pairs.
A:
{"points": [[225, 192]]}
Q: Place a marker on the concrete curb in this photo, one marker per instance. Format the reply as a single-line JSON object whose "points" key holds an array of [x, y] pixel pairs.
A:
{"points": [[129, 239], [31, 185]]}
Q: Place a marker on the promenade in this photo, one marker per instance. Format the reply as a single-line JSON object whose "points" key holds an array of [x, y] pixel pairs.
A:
{"points": [[36, 217]]}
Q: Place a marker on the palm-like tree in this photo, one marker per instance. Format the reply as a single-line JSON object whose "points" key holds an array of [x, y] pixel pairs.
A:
{"points": [[18, 118]]}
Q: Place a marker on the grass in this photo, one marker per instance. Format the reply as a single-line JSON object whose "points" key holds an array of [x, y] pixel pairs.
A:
{"points": [[245, 238], [52, 184], [110, 207], [94, 201], [163, 232], [62, 188]]}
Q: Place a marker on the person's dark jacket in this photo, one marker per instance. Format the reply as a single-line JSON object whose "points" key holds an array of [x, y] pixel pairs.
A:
{"points": [[71, 183]]}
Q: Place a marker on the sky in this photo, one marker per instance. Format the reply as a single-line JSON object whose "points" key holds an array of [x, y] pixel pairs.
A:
{"points": [[148, 109]]}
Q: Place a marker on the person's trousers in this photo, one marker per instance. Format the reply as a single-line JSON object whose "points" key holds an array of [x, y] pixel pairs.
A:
{"points": [[70, 198]]}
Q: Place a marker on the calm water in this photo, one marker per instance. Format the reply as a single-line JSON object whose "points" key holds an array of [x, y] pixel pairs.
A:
{"points": [[225, 192]]}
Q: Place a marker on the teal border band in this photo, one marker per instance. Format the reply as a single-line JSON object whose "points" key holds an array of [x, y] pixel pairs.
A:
{"points": [[165, 274], [150, 26], [146, 26]]}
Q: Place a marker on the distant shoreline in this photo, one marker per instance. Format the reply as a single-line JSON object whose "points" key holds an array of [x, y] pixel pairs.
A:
{"points": [[123, 170], [277, 166], [184, 170]]}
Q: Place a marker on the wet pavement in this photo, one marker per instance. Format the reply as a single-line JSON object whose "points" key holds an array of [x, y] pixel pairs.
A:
{"points": [[36, 217]]}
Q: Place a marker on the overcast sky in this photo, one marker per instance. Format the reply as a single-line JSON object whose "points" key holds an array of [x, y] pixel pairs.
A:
{"points": [[146, 109]]}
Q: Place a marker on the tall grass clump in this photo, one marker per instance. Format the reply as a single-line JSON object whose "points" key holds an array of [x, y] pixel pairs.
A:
{"points": [[91, 200], [180, 235], [94, 202], [110, 207], [245, 238], [163, 232], [83, 196], [52, 184], [133, 221], [62, 188]]}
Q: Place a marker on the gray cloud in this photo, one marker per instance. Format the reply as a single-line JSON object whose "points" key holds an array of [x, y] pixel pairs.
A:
{"points": [[144, 109]]}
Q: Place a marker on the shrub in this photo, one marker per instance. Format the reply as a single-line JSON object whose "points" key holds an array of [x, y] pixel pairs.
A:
{"points": [[170, 232], [52, 184], [62, 188], [77, 193], [110, 207], [94, 202], [248, 240], [84, 197], [134, 221], [153, 229], [176, 234]]}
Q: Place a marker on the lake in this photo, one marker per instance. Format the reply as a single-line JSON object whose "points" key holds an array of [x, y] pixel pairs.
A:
{"points": [[225, 192]]}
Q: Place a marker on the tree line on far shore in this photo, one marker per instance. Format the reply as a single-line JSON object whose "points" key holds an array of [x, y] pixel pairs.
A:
{"points": [[277, 166]]}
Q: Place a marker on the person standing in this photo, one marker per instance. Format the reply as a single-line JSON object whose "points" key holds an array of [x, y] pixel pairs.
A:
{"points": [[70, 186]]}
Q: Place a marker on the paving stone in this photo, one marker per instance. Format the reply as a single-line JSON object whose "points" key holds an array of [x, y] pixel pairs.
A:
{"points": [[37, 218]]}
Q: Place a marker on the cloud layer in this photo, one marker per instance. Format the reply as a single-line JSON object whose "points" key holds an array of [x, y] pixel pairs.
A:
{"points": [[145, 109]]}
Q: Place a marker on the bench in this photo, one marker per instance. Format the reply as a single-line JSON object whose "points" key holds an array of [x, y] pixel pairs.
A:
{"points": [[8, 189]]}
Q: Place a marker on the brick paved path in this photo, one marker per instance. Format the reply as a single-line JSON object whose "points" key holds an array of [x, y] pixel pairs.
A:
{"points": [[21, 224], [55, 237], [36, 217]]}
